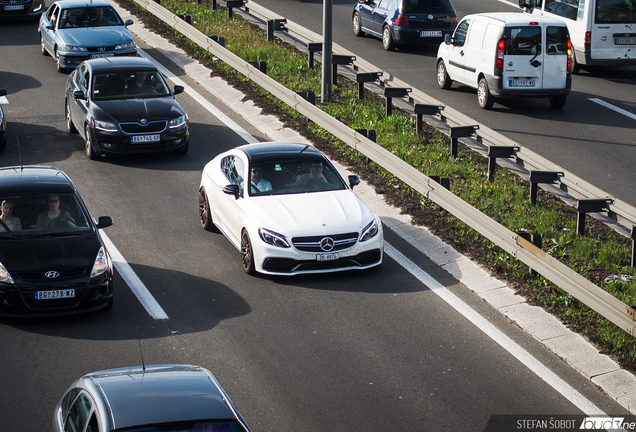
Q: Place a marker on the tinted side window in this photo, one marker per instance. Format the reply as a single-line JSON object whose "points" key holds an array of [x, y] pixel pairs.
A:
{"points": [[233, 169], [78, 415], [67, 401], [459, 37], [385, 4], [556, 40], [523, 40]]}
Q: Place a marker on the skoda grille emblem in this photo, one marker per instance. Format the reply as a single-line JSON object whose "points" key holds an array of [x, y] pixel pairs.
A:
{"points": [[52, 274], [430, 17], [144, 121], [101, 49], [326, 244]]}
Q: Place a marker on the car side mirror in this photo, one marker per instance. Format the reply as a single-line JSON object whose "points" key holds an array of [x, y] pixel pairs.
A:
{"points": [[353, 181], [50, 27], [3, 92], [79, 94], [104, 222], [128, 22], [232, 189], [447, 38], [178, 89]]}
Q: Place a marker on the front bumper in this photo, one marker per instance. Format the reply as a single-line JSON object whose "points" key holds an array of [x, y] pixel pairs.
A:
{"points": [[72, 59], [19, 301], [120, 143]]}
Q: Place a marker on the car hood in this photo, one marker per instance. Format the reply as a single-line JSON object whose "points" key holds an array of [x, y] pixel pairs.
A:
{"points": [[96, 36], [49, 253], [311, 213], [127, 110]]}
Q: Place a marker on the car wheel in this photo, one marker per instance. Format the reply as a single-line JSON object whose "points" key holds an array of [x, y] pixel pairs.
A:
{"points": [[247, 253], [557, 102], [44, 51], [357, 25], [576, 68], [443, 80], [205, 216], [387, 39], [485, 99], [69, 122], [57, 63], [90, 151], [184, 149]]}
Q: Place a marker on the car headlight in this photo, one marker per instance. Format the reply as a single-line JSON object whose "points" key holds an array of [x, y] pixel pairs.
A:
{"points": [[273, 238], [369, 231], [101, 263], [106, 126], [177, 122], [74, 48], [4, 275], [130, 44]]}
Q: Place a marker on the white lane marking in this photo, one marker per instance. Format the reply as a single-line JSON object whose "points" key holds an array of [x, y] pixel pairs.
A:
{"points": [[136, 285], [202, 101], [567, 391], [614, 108], [4, 100]]}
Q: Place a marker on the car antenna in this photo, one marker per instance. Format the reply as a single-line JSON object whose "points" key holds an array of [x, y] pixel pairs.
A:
{"points": [[143, 365]]}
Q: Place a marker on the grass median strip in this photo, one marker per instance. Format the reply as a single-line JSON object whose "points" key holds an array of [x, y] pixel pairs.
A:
{"points": [[601, 255]]}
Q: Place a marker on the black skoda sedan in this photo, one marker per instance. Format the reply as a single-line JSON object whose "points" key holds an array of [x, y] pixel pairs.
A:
{"points": [[52, 258], [124, 105]]}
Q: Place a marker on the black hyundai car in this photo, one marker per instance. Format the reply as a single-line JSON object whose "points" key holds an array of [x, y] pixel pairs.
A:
{"points": [[52, 258], [124, 105]]}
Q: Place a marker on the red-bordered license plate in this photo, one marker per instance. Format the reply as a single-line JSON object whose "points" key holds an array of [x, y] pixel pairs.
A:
{"points": [[54, 294]]}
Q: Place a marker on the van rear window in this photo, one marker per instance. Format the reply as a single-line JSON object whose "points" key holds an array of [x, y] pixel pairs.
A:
{"points": [[523, 40], [557, 40]]}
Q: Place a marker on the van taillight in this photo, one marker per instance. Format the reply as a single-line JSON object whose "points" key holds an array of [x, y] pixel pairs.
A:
{"points": [[500, 55], [454, 19], [401, 20], [569, 56], [587, 44]]}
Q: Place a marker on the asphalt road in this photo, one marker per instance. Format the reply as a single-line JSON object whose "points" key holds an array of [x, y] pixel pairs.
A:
{"points": [[585, 138], [360, 351]]}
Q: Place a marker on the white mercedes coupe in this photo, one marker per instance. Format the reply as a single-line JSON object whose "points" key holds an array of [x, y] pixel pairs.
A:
{"points": [[288, 210]]}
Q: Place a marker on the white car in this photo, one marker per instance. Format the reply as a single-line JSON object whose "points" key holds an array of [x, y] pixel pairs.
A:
{"points": [[288, 210]]}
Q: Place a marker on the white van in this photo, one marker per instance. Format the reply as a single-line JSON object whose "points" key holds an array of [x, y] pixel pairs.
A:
{"points": [[603, 32], [508, 55]]}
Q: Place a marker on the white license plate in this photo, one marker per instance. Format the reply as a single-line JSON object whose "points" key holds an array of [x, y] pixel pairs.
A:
{"points": [[327, 257], [57, 294], [431, 33], [521, 83], [14, 7], [102, 55], [625, 41], [145, 139]]}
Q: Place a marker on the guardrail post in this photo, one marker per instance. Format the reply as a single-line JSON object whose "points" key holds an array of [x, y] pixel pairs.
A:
{"points": [[260, 65], [273, 25], [633, 237], [424, 109], [369, 133], [589, 205], [392, 92], [158, 2], [457, 132], [362, 77], [538, 176], [339, 59], [186, 18], [443, 182], [497, 151], [313, 47], [218, 39], [536, 240], [231, 4], [213, 5], [308, 96]]}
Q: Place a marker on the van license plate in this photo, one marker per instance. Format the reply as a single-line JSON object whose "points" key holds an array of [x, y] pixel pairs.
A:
{"points": [[14, 7], [625, 41], [44, 295], [327, 257], [521, 83], [431, 33], [145, 139]]}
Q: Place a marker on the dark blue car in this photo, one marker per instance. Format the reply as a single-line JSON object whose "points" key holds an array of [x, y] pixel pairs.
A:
{"points": [[404, 22]]}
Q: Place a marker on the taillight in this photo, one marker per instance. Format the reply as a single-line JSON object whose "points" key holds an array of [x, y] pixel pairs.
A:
{"points": [[500, 55], [569, 56], [401, 20], [454, 19], [588, 40]]}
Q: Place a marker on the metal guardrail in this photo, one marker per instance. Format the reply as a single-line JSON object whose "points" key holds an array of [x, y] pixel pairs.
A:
{"points": [[579, 287]]}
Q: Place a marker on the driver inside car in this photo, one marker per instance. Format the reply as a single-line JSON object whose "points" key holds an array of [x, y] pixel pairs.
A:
{"points": [[52, 212]]}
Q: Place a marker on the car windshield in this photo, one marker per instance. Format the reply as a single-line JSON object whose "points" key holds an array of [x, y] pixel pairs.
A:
{"points": [[42, 215], [311, 174], [90, 17], [207, 426], [127, 85]]}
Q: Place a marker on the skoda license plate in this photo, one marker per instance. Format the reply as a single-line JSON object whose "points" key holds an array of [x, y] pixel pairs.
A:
{"points": [[520, 83], [327, 257], [431, 33], [137, 139], [57, 294], [102, 55]]}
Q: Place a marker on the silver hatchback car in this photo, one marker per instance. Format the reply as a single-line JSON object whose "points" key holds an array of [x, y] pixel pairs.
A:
{"points": [[73, 31]]}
